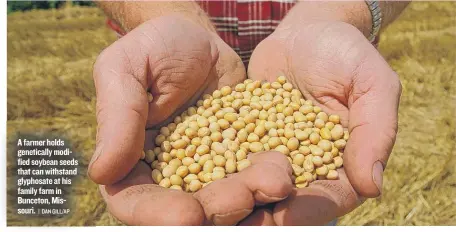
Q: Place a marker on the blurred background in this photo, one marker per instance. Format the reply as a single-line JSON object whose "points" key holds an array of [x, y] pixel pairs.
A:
{"points": [[52, 46]]}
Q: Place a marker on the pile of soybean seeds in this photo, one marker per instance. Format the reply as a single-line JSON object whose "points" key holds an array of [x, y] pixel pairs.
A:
{"points": [[213, 138]]}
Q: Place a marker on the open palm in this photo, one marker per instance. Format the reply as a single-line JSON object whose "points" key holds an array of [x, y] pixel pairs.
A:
{"points": [[339, 70]]}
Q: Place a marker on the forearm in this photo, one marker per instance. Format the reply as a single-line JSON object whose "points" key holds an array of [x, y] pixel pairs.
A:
{"points": [[130, 14], [356, 13]]}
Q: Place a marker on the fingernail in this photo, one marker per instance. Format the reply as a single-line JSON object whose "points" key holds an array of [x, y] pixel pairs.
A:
{"points": [[96, 154], [377, 175]]}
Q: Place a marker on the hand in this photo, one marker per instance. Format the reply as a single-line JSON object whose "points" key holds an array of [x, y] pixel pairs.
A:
{"points": [[177, 61], [339, 70]]}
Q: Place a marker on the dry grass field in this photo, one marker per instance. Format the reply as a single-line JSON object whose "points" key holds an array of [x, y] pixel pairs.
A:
{"points": [[50, 90]]}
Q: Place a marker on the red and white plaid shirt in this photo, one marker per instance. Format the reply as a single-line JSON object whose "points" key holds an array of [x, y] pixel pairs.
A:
{"points": [[242, 24]]}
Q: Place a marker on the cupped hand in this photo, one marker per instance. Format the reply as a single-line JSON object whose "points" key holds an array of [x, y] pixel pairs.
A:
{"points": [[334, 65], [176, 61]]}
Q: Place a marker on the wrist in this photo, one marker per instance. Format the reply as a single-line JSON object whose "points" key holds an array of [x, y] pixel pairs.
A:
{"points": [[130, 14], [355, 13]]}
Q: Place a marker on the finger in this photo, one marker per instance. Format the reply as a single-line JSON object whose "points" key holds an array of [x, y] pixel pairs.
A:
{"points": [[136, 201], [122, 107], [229, 67], [318, 204], [228, 201], [263, 66], [261, 216], [181, 65], [373, 111]]}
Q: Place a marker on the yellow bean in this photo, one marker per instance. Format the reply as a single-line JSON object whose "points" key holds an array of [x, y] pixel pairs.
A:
{"points": [[241, 155], [156, 176], [256, 147], [305, 150], [300, 180], [308, 165], [317, 161], [276, 85], [176, 187], [334, 118], [327, 158], [323, 116], [217, 175], [219, 160], [325, 145], [226, 90], [298, 159], [238, 124], [176, 180], [282, 80], [223, 123], [182, 171], [165, 182], [340, 144], [150, 156], [230, 166], [253, 138], [332, 175], [150, 97], [175, 162], [194, 168], [187, 161], [288, 133], [164, 157], [242, 135], [334, 151], [314, 138], [260, 131], [346, 135], [325, 133], [303, 185], [208, 166], [293, 144], [229, 133], [311, 117], [319, 123], [283, 149], [338, 161], [337, 132], [322, 171], [317, 151], [191, 133], [331, 166], [329, 125], [195, 185], [166, 146], [202, 149], [297, 170], [307, 176]]}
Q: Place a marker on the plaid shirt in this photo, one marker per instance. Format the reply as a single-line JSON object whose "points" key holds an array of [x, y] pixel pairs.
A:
{"points": [[242, 24]]}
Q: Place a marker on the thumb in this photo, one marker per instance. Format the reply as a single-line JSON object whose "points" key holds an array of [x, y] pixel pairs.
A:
{"points": [[373, 111], [122, 109]]}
